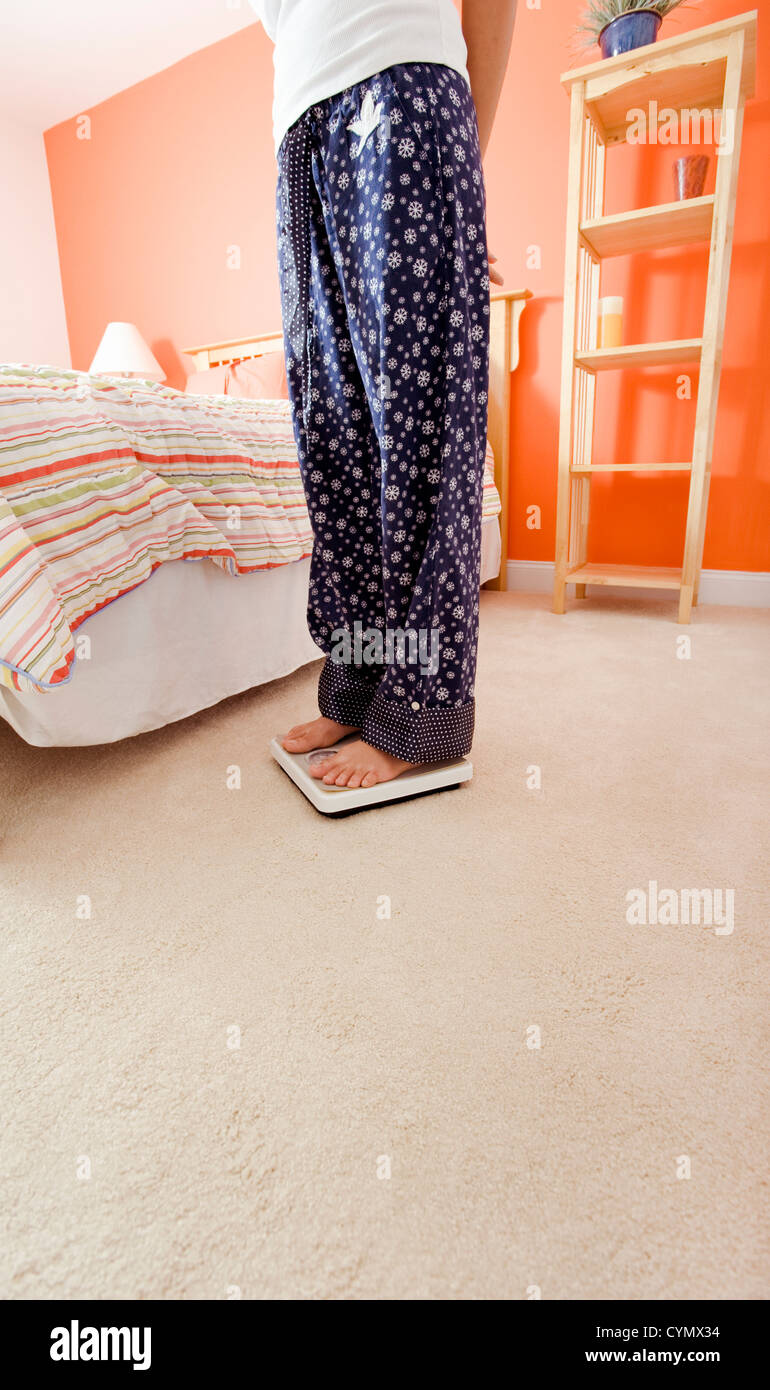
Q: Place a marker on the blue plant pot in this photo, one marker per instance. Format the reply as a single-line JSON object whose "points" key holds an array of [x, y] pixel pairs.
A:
{"points": [[627, 31]]}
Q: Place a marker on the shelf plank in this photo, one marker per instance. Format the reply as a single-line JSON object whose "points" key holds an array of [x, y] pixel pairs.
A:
{"points": [[628, 576], [577, 469], [684, 72], [647, 229], [640, 355]]}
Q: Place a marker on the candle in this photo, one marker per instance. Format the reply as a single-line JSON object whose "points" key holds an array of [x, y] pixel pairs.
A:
{"points": [[610, 321]]}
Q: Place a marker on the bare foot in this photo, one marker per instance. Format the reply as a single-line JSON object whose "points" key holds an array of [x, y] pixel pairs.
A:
{"points": [[317, 733], [359, 765]]}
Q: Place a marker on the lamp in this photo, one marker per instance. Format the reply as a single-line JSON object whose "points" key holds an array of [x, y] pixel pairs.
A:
{"points": [[123, 352]]}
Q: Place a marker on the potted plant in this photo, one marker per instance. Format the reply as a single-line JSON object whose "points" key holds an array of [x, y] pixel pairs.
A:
{"points": [[620, 25]]}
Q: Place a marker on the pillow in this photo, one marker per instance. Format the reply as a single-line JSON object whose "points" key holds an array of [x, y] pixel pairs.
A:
{"points": [[258, 378], [208, 383]]}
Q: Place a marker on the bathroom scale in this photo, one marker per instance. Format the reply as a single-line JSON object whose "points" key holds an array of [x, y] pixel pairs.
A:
{"points": [[340, 801]]}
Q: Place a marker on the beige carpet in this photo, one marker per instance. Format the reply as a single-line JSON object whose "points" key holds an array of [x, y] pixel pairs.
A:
{"points": [[368, 1043]]}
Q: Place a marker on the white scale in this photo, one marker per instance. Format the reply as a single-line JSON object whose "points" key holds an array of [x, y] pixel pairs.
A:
{"points": [[339, 801]]}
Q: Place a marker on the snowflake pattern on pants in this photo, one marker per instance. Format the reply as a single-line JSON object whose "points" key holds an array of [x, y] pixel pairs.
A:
{"points": [[385, 301]]}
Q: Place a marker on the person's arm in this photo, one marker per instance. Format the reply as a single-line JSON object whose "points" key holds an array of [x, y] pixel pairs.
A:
{"points": [[487, 29]]}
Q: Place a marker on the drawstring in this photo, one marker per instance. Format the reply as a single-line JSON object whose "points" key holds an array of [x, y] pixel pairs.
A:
{"points": [[296, 181]]}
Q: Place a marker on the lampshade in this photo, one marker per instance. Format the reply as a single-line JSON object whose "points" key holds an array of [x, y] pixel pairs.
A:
{"points": [[123, 352]]}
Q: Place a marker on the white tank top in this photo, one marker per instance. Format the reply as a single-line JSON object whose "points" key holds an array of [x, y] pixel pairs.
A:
{"points": [[324, 46]]}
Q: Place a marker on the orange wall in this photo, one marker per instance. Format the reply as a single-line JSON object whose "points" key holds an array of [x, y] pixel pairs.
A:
{"points": [[148, 209], [179, 169]]}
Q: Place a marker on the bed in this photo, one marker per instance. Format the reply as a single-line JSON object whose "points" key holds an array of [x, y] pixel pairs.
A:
{"points": [[195, 632]]}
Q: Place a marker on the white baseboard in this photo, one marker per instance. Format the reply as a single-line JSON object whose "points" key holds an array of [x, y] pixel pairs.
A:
{"points": [[736, 588]]}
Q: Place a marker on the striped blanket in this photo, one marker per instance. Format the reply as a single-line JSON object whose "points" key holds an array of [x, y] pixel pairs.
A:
{"points": [[104, 479]]}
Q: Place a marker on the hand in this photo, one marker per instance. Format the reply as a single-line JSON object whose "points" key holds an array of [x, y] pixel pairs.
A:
{"points": [[494, 275]]}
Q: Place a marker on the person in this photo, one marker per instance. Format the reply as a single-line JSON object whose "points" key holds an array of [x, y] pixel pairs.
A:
{"points": [[382, 111]]}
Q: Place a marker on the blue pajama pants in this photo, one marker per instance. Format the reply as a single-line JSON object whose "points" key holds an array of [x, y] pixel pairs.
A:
{"points": [[385, 299]]}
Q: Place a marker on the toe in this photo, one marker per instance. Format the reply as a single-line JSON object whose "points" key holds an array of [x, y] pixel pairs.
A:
{"points": [[355, 780], [321, 768], [370, 779]]}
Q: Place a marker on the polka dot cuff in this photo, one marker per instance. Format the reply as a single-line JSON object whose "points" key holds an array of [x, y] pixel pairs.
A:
{"points": [[419, 736], [344, 695]]}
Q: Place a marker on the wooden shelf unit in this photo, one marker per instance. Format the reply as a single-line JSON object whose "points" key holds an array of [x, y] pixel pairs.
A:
{"points": [[703, 71]]}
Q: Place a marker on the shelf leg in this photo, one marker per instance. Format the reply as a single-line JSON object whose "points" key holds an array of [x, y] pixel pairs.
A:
{"points": [[577, 123], [713, 329]]}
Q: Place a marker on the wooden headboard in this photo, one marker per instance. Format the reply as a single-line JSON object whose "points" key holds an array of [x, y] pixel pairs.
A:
{"points": [[506, 308]]}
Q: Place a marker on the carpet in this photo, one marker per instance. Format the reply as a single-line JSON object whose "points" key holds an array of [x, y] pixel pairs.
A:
{"points": [[417, 1053]]}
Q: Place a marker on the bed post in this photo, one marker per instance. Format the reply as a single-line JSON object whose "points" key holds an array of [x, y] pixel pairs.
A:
{"points": [[505, 310]]}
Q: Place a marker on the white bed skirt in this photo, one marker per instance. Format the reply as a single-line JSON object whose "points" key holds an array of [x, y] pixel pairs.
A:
{"points": [[184, 640]]}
